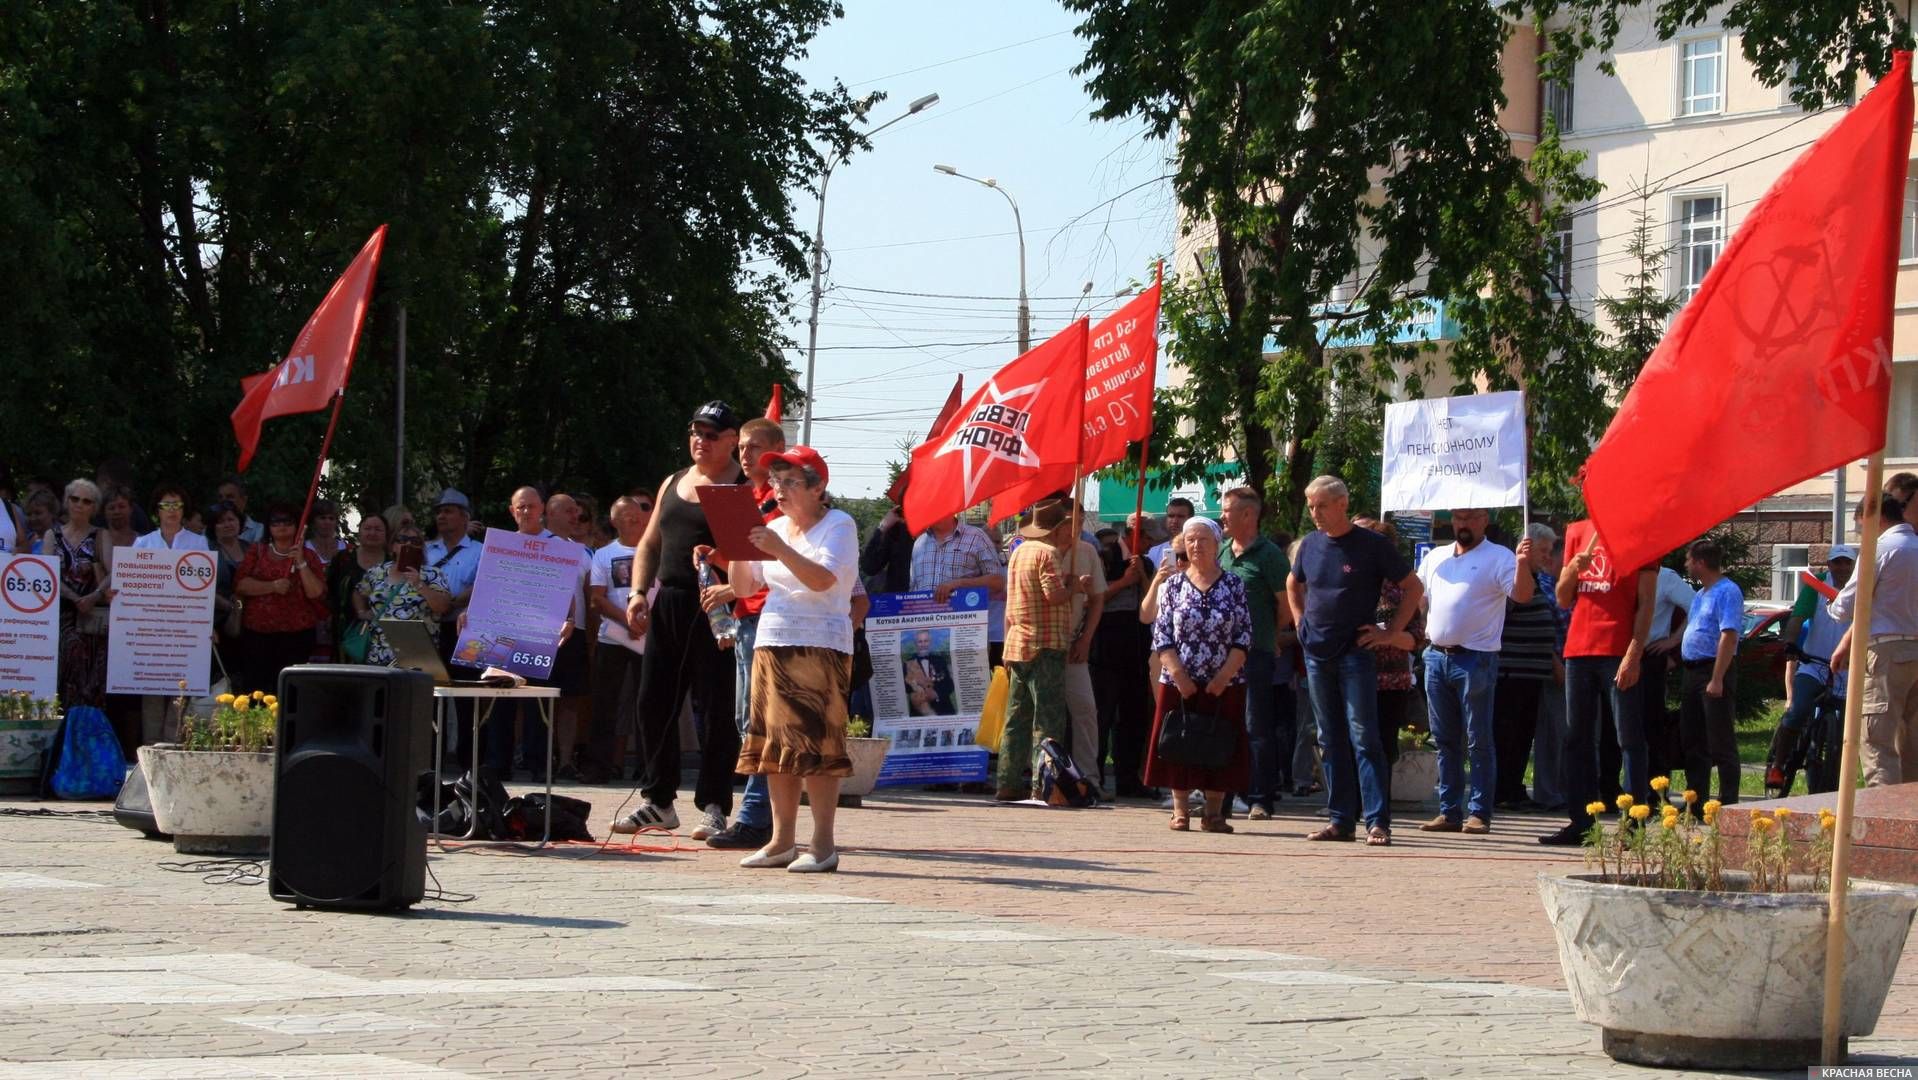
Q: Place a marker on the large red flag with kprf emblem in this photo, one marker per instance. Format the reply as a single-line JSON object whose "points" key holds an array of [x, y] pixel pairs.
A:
{"points": [[317, 365], [1023, 420], [1780, 367], [1122, 360]]}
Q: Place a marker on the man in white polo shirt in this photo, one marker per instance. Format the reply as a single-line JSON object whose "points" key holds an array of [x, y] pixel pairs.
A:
{"points": [[1466, 585], [1890, 752]]}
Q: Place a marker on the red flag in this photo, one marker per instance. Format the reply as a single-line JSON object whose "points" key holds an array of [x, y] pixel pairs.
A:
{"points": [[1122, 359], [774, 409], [1780, 367], [322, 356], [1025, 418], [897, 492]]}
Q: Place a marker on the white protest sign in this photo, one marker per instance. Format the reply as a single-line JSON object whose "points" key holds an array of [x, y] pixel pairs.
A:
{"points": [[161, 630], [1457, 453], [29, 625]]}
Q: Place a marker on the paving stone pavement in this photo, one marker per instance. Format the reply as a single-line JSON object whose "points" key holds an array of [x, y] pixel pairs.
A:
{"points": [[960, 939]]}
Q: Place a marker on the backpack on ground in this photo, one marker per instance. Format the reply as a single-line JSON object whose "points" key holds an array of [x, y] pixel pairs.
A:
{"points": [[1060, 781], [84, 759]]}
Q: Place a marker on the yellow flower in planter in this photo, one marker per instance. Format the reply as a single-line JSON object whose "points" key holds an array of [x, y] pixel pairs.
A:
{"points": [[271, 701], [1640, 812], [1624, 802], [224, 699], [1691, 797], [1828, 824], [1762, 824], [1669, 816], [258, 694], [1712, 805], [1782, 813], [1661, 784], [1594, 808]]}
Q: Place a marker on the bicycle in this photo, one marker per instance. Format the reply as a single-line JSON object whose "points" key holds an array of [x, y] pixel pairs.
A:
{"points": [[1818, 745]]}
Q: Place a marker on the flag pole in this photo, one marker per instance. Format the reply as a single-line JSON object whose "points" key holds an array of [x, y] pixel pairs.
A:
{"points": [[1831, 1050], [319, 466], [1138, 499]]}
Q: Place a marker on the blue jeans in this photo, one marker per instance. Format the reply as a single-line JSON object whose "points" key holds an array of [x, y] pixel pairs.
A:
{"points": [[1266, 730], [1345, 698], [1588, 679], [755, 806], [1458, 697]]}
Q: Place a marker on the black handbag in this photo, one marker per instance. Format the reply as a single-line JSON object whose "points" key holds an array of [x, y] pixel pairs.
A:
{"points": [[1196, 739]]}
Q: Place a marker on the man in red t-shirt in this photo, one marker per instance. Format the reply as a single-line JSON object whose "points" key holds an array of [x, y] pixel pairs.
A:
{"points": [[1611, 622], [752, 825]]}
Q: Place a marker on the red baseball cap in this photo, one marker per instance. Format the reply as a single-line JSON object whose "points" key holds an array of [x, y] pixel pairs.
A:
{"points": [[803, 456]]}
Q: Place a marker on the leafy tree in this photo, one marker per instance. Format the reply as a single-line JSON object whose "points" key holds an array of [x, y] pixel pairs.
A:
{"points": [[1818, 47], [1642, 309], [1314, 168], [590, 228]]}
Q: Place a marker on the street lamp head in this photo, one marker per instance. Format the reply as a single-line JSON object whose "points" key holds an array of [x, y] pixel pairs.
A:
{"points": [[990, 182], [921, 104], [947, 169]]}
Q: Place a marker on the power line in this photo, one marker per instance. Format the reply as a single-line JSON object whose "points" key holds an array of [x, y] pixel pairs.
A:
{"points": [[958, 59]]}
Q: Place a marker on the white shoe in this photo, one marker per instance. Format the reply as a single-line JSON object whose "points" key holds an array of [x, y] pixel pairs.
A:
{"points": [[762, 859], [806, 864], [711, 823], [647, 817]]}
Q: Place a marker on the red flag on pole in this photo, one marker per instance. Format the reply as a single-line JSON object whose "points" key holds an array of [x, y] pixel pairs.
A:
{"points": [[1024, 420], [897, 492], [1122, 359], [775, 410], [1780, 367], [317, 365]]}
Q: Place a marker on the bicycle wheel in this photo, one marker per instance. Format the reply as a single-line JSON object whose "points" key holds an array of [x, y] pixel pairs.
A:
{"points": [[1821, 759]]}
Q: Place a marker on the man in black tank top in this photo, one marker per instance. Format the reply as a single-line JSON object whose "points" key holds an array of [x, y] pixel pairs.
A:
{"points": [[681, 654]]}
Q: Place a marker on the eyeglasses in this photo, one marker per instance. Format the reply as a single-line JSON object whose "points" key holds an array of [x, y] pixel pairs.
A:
{"points": [[645, 508], [171, 504], [788, 481], [704, 434], [80, 499]]}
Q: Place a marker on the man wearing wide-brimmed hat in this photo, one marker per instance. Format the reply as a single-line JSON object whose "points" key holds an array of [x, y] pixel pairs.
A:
{"points": [[1038, 633]]}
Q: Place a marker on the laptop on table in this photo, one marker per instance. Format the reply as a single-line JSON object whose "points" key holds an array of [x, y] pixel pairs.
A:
{"points": [[413, 649]]}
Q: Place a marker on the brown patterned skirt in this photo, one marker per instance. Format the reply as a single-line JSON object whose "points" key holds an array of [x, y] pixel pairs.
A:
{"points": [[797, 718]]}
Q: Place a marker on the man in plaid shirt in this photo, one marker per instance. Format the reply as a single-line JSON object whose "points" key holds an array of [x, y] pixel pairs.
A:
{"points": [[1038, 633], [953, 555]]}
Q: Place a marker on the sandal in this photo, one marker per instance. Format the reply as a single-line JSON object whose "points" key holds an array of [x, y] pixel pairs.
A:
{"points": [[1180, 823], [1214, 824], [1330, 832], [1380, 836]]}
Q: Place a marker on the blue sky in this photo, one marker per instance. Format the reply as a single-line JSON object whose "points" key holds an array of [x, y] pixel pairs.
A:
{"points": [[886, 361]]}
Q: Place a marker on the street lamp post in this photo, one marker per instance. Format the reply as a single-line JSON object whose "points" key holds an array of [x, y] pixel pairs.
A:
{"points": [[1025, 308], [819, 258]]}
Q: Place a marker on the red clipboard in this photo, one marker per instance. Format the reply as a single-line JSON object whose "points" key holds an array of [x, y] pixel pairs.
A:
{"points": [[732, 513]]}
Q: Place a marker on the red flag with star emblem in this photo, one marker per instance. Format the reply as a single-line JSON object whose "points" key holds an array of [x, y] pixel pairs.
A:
{"points": [[1122, 358], [1024, 420], [1779, 368]]}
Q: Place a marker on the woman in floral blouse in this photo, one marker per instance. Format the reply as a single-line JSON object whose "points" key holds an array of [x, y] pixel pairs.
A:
{"points": [[1201, 633], [386, 593]]}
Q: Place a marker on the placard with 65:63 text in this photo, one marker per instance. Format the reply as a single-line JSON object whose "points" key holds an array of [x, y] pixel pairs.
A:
{"points": [[521, 599], [160, 634]]}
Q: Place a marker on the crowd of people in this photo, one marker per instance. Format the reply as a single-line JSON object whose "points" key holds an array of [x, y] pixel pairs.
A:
{"points": [[1227, 665]]}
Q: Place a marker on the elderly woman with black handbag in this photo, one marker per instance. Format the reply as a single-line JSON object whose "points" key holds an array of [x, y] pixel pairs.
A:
{"points": [[1201, 634]]}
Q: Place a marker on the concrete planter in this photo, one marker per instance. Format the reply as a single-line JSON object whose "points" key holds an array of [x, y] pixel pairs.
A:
{"points": [[868, 756], [1415, 776], [23, 749], [1729, 980], [212, 802]]}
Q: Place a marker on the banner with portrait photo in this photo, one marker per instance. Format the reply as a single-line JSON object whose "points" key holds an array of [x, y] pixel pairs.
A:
{"points": [[929, 681]]}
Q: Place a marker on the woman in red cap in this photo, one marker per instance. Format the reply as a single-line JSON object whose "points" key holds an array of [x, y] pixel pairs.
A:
{"points": [[802, 659]]}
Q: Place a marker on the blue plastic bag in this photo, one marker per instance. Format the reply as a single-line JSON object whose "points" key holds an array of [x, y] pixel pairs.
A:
{"points": [[85, 761]]}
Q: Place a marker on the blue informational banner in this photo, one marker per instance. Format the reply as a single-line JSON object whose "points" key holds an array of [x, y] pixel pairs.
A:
{"points": [[929, 682]]}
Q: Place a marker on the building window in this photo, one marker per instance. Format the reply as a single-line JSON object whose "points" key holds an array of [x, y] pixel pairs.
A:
{"points": [[1562, 255], [1558, 104], [1901, 440], [1701, 235], [1908, 225], [1701, 77]]}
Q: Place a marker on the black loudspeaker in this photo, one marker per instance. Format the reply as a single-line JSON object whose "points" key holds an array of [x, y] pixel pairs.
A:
{"points": [[352, 742], [134, 808]]}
